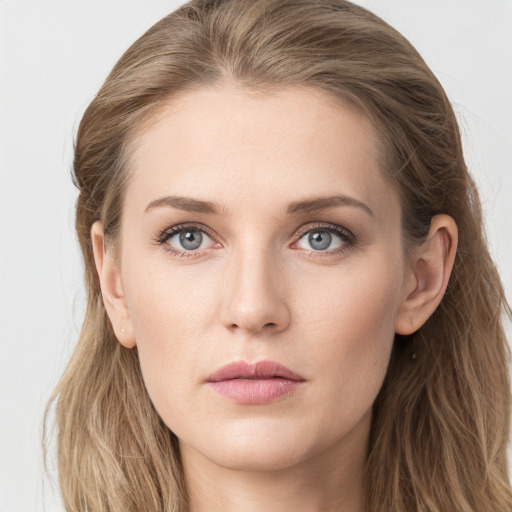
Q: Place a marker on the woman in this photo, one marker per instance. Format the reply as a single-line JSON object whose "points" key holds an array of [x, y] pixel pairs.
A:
{"points": [[290, 301]]}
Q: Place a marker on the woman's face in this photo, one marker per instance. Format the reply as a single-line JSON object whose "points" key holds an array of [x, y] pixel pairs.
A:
{"points": [[259, 227]]}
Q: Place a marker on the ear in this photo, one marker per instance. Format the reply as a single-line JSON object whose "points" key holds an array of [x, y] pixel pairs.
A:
{"points": [[111, 287], [429, 274]]}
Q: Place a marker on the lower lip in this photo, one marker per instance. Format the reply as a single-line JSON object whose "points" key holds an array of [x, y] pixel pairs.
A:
{"points": [[255, 392]]}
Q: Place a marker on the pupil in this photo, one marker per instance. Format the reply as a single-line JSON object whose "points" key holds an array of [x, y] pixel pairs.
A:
{"points": [[191, 239], [320, 239]]}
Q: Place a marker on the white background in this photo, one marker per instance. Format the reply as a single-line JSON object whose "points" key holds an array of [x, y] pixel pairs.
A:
{"points": [[53, 58]]}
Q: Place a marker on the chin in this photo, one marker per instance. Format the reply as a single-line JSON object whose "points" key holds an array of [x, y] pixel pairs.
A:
{"points": [[269, 457], [256, 446]]}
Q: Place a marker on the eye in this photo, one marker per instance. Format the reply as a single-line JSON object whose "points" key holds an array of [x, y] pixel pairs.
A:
{"points": [[326, 238], [189, 241], [185, 241]]}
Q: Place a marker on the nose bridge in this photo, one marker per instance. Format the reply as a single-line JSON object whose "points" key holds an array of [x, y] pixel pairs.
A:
{"points": [[254, 296]]}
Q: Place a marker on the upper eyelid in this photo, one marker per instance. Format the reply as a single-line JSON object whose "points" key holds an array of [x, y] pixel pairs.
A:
{"points": [[325, 225], [173, 230]]}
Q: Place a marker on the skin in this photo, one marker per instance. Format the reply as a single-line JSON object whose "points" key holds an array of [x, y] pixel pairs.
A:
{"points": [[259, 289]]}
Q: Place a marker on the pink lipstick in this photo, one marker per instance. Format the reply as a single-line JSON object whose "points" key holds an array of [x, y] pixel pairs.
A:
{"points": [[254, 384]]}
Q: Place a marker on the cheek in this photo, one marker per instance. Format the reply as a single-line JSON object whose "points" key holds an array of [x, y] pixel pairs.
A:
{"points": [[350, 321], [166, 303], [170, 313], [357, 303]]}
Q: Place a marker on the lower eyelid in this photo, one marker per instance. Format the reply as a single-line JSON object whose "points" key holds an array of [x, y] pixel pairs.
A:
{"points": [[183, 254]]}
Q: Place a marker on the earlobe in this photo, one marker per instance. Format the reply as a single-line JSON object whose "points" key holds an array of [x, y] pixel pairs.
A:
{"points": [[429, 275], [111, 287]]}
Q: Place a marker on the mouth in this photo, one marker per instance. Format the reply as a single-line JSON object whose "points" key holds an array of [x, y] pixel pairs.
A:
{"points": [[254, 384], [260, 370]]}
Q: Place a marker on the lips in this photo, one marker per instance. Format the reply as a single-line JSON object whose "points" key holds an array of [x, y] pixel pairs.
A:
{"points": [[260, 370], [254, 384]]}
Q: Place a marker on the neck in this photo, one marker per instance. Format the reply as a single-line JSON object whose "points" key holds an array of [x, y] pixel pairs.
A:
{"points": [[325, 482]]}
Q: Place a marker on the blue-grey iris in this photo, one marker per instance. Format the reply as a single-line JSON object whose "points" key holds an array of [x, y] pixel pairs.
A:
{"points": [[191, 239], [320, 240]]}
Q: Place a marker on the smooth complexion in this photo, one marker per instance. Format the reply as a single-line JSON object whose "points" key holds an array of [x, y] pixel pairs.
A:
{"points": [[290, 252]]}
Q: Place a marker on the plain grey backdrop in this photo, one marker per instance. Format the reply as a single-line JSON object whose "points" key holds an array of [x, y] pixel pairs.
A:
{"points": [[53, 58]]}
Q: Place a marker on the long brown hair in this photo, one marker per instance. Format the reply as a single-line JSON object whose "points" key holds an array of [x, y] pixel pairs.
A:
{"points": [[441, 421]]}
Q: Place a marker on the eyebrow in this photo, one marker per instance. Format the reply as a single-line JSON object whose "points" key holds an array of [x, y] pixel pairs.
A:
{"points": [[323, 203], [305, 206], [185, 203]]}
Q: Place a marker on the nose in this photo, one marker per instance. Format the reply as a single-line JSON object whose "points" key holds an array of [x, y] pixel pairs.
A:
{"points": [[254, 298]]}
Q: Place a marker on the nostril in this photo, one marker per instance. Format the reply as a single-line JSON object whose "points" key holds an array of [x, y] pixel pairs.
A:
{"points": [[269, 325]]}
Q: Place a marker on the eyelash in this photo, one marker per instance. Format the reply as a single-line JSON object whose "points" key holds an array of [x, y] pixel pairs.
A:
{"points": [[347, 237]]}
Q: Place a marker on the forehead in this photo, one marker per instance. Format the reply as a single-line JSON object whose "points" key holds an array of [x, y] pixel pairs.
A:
{"points": [[232, 145]]}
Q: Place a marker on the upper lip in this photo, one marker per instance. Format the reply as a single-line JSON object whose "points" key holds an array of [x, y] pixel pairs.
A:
{"points": [[259, 370]]}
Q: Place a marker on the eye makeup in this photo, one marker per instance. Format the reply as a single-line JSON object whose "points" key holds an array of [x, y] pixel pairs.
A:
{"points": [[319, 234]]}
